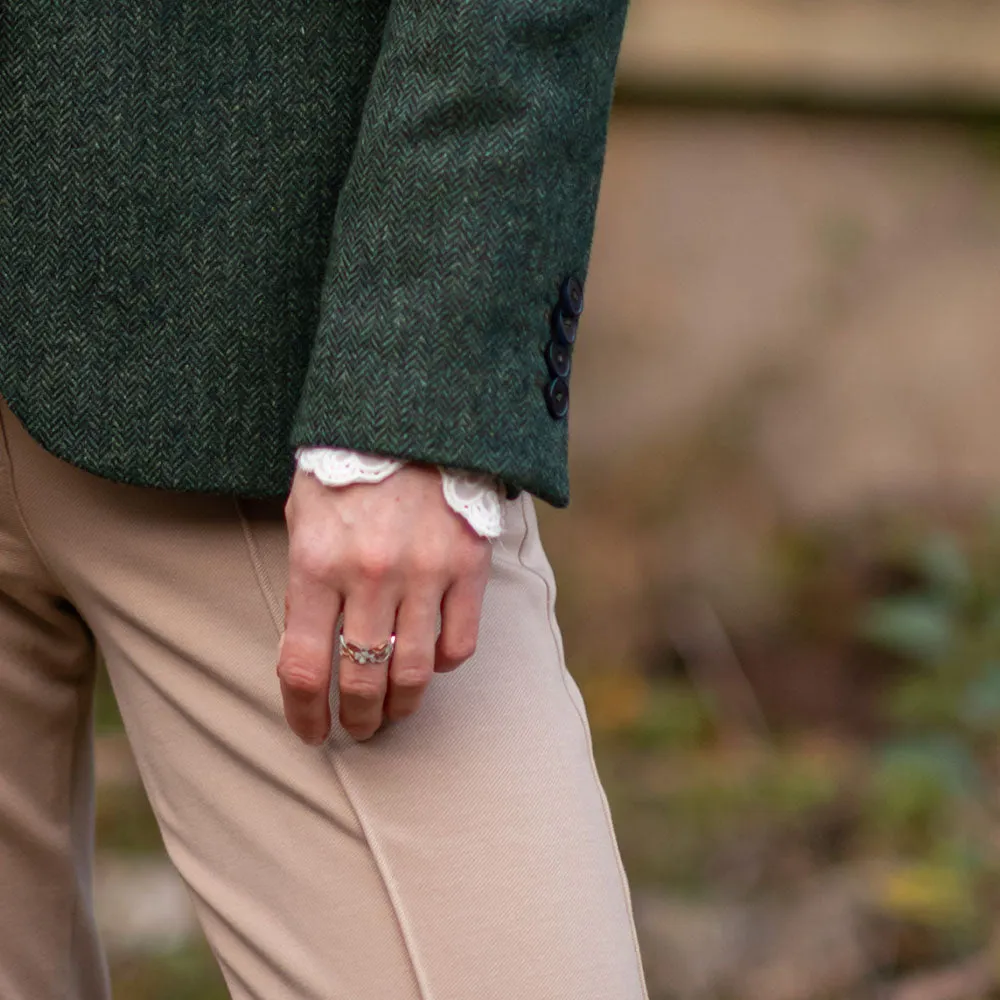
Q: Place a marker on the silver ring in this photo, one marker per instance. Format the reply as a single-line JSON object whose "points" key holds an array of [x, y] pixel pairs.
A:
{"points": [[366, 655]]}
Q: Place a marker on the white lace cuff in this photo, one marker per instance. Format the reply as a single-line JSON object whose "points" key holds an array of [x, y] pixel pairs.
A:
{"points": [[472, 495]]}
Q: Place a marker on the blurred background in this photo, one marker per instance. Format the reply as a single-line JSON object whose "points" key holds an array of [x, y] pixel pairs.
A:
{"points": [[780, 573]]}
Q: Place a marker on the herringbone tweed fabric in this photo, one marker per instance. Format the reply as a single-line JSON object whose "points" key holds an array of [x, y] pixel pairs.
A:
{"points": [[231, 228]]}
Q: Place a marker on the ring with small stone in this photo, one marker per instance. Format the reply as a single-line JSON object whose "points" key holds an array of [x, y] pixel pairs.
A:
{"points": [[366, 655]]}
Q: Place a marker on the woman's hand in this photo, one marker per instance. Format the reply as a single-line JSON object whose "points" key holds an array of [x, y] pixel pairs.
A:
{"points": [[390, 556]]}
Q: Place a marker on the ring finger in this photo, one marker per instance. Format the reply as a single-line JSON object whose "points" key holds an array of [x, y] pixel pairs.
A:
{"points": [[368, 622]]}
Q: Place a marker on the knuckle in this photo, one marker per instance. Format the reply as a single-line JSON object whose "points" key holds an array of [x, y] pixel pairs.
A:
{"points": [[473, 560], [413, 676], [430, 566], [362, 688], [375, 562], [315, 561], [431, 555], [301, 676]]}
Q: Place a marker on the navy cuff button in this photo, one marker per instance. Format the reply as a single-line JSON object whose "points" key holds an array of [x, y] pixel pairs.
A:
{"points": [[571, 297], [557, 398], [557, 357], [564, 327]]}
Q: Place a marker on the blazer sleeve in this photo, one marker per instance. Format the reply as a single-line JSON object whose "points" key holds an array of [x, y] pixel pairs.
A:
{"points": [[461, 239]]}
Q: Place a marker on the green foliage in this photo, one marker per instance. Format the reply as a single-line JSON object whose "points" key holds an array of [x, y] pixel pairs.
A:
{"points": [[930, 790], [946, 572], [916, 784], [187, 972], [107, 718], [125, 821], [684, 816], [673, 717], [978, 702], [924, 623], [945, 624], [917, 627], [941, 893]]}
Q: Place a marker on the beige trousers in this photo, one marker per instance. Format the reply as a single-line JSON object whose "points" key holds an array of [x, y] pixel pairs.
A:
{"points": [[463, 854]]}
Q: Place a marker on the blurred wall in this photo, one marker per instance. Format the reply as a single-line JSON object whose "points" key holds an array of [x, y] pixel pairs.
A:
{"points": [[835, 280]]}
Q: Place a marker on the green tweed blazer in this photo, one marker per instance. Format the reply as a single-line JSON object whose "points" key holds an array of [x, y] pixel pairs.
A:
{"points": [[231, 228]]}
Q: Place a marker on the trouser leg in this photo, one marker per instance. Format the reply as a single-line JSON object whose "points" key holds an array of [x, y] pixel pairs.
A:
{"points": [[463, 853], [48, 940]]}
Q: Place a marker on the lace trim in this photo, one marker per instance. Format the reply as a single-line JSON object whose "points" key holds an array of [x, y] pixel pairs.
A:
{"points": [[476, 497], [343, 467], [473, 496]]}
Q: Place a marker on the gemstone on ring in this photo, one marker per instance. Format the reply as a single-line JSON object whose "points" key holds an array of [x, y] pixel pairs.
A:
{"points": [[364, 655]]}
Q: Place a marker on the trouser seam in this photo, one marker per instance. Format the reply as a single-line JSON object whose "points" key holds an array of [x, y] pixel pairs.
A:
{"points": [[549, 603], [270, 598], [382, 867], [379, 859]]}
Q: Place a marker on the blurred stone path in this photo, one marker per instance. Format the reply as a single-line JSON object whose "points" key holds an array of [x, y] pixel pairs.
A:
{"points": [[143, 907]]}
